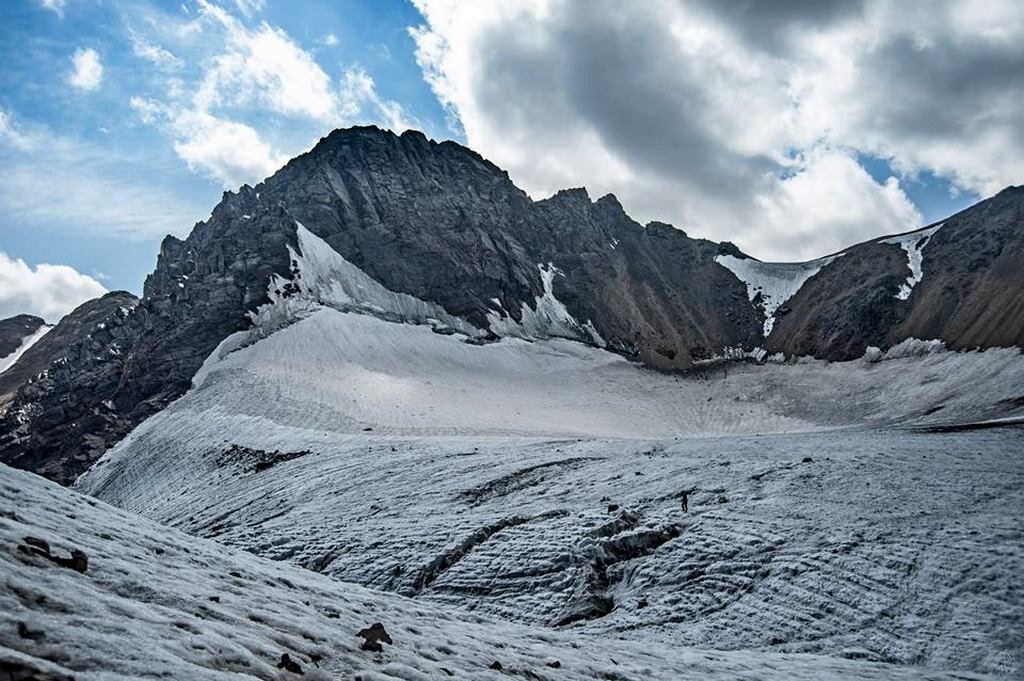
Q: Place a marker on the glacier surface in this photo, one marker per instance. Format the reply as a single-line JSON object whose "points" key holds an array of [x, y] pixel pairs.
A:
{"points": [[542, 482]]}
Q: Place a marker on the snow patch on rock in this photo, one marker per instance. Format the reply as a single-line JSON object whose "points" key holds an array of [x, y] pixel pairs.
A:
{"points": [[26, 342], [775, 282], [548, 318], [913, 244]]}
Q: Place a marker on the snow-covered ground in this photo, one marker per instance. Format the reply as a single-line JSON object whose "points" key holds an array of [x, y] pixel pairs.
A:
{"points": [[157, 603], [541, 482], [26, 342]]}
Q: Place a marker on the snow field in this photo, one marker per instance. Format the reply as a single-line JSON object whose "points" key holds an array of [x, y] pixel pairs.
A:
{"points": [[155, 602]]}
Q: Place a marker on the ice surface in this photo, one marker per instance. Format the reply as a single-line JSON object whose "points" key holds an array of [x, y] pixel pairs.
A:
{"points": [[913, 243], [776, 282], [26, 342], [483, 478], [157, 603]]}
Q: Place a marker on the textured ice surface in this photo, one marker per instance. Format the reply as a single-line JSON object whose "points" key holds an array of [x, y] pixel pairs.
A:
{"points": [[157, 603], [776, 282], [541, 482], [26, 342], [913, 243]]}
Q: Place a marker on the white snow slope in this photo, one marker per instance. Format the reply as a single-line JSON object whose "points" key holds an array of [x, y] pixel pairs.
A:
{"points": [[777, 282], [541, 482], [26, 342], [913, 243], [157, 603]]}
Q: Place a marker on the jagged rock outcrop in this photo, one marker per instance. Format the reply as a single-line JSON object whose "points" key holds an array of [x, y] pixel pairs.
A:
{"points": [[439, 222], [62, 411], [54, 346]]}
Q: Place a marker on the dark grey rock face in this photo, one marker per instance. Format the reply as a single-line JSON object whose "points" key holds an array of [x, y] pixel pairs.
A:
{"points": [[437, 221], [13, 331], [54, 346], [971, 294], [61, 383], [850, 304]]}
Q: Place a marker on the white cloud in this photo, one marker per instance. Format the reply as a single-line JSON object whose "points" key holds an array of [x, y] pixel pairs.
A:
{"points": [[227, 151], [47, 291], [830, 203], [358, 89], [55, 6], [217, 121], [250, 7], [44, 183], [266, 66], [230, 152], [734, 119], [330, 40], [154, 53], [12, 136], [87, 70]]}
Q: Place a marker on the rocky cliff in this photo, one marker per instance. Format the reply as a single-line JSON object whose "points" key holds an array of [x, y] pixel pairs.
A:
{"points": [[439, 222]]}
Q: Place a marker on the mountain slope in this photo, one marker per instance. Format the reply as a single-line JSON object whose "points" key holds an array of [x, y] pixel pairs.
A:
{"points": [[18, 334], [960, 281], [441, 224], [74, 327]]}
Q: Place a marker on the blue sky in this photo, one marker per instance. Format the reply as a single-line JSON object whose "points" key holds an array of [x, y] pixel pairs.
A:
{"points": [[36, 49], [121, 122]]}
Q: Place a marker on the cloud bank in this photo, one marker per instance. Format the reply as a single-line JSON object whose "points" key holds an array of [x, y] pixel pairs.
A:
{"points": [[47, 291], [255, 69], [739, 121]]}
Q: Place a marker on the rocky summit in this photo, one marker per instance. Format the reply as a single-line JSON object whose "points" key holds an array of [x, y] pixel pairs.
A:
{"points": [[439, 223]]}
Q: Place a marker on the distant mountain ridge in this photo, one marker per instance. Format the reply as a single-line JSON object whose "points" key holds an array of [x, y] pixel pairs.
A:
{"points": [[437, 222]]}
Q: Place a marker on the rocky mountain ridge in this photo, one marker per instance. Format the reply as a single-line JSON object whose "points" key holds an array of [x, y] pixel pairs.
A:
{"points": [[438, 222], [14, 330]]}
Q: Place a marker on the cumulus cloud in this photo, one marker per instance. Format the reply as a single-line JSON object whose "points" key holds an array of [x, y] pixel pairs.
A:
{"points": [[257, 70], [733, 120], [830, 203], [87, 70], [47, 291], [266, 66]]}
